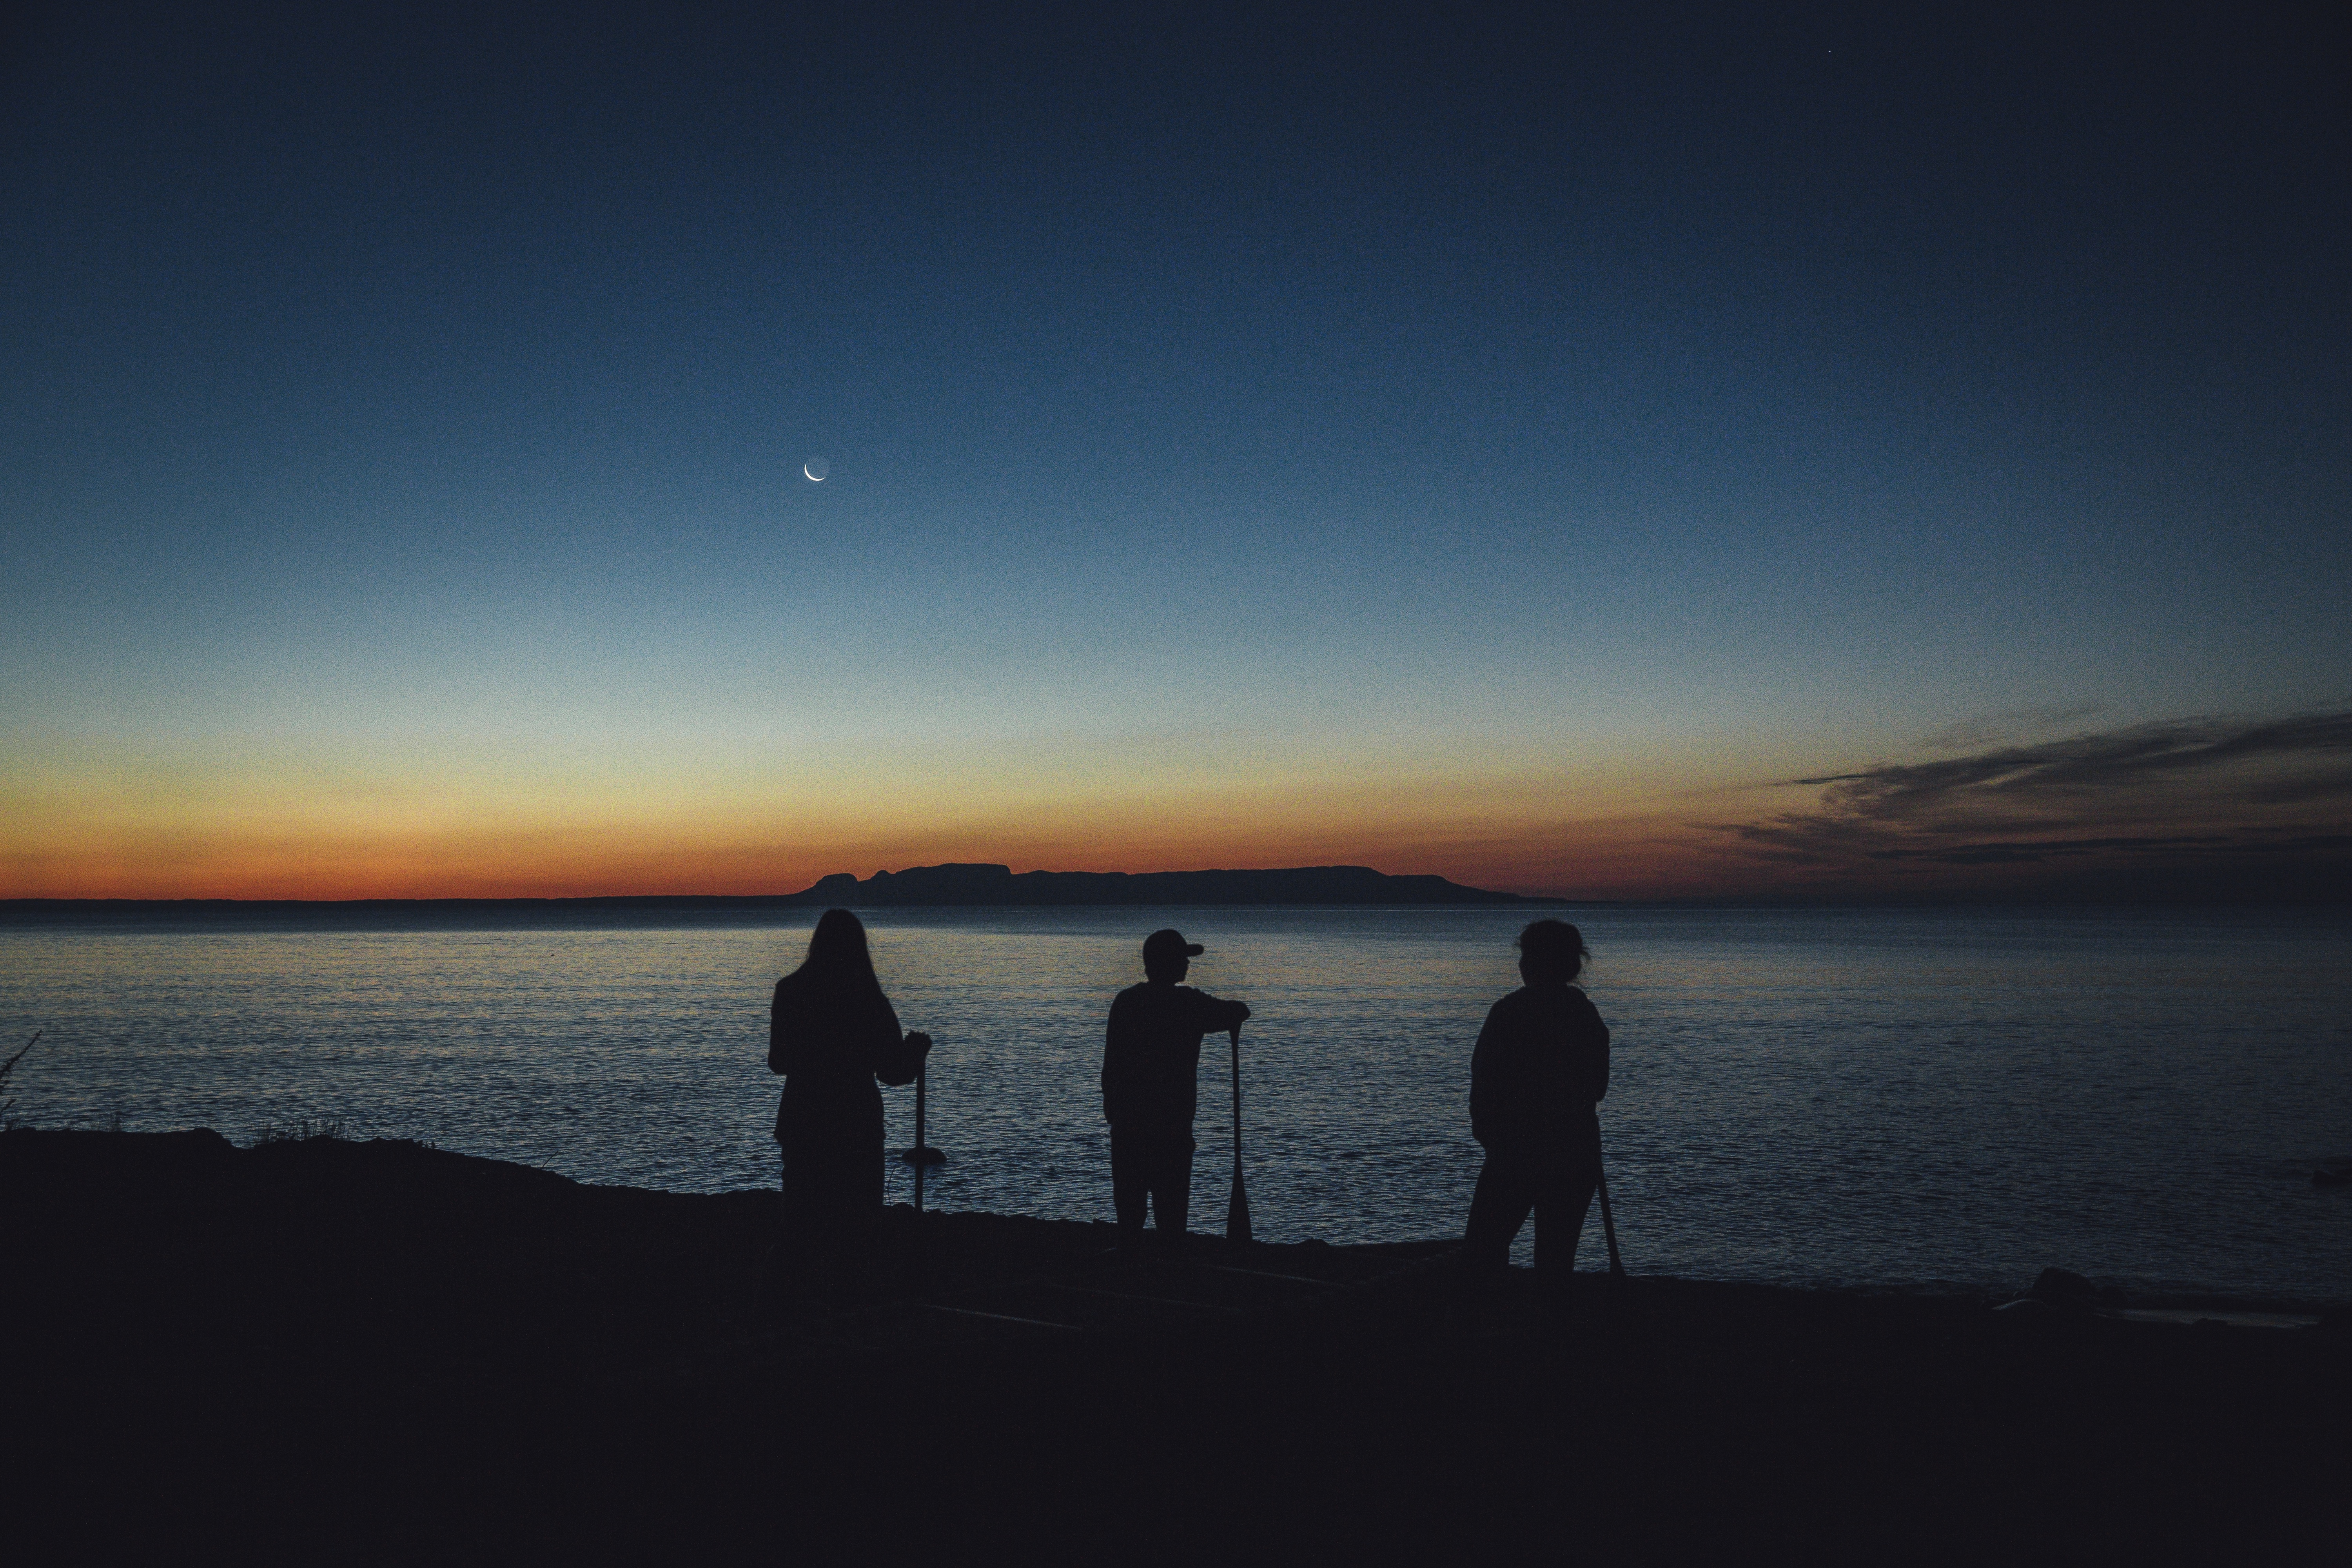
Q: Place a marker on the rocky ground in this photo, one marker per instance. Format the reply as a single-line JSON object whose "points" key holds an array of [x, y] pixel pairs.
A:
{"points": [[356, 1349]]}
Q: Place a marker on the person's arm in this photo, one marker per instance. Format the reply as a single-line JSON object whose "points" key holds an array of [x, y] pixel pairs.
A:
{"points": [[1115, 1067], [1589, 1038], [1209, 1015], [1486, 1091], [897, 1058], [780, 1040]]}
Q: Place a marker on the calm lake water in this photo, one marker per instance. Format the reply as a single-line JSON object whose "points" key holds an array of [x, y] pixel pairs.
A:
{"points": [[1888, 1097]]}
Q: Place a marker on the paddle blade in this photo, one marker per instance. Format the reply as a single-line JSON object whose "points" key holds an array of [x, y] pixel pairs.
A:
{"points": [[1237, 1226]]}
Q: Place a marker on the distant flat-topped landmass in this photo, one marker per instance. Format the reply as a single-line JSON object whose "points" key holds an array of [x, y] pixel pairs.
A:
{"points": [[967, 885], [975, 884]]}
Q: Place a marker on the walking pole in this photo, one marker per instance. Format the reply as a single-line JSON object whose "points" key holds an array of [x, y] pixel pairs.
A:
{"points": [[922, 1153], [1608, 1227], [1237, 1225], [923, 1072]]}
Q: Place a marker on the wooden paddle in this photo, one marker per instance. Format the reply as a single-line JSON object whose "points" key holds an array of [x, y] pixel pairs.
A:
{"points": [[1608, 1228], [922, 1153], [1237, 1223]]}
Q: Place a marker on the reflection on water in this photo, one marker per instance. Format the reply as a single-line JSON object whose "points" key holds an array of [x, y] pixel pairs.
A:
{"points": [[1893, 1096]]}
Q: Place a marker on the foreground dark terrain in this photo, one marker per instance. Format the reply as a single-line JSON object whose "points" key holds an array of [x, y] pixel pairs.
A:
{"points": [[338, 1348]]}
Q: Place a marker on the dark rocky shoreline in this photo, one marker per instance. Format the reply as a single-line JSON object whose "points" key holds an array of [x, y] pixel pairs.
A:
{"points": [[408, 1346]]}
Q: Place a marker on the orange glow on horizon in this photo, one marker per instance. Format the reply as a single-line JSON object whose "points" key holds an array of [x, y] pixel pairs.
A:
{"points": [[79, 821], [251, 822], [300, 855], [573, 865]]}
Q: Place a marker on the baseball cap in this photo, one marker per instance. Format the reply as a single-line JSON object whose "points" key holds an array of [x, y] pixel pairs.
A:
{"points": [[1170, 943]]}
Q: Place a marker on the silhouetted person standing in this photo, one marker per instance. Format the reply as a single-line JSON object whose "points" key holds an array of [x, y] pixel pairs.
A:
{"points": [[1151, 1056], [1537, 1079], [832, 1033]]}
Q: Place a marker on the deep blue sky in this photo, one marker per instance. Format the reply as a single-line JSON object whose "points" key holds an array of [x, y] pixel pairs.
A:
{"points": [[1417, 430]]}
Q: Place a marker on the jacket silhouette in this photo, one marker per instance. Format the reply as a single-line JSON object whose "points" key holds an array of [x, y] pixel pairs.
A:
{"points": [[1151, 1058], [1536, 1076], [834, 1036]]}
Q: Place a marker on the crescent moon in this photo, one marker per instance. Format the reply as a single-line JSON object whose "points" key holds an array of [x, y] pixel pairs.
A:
{"points": [[817, 478]]}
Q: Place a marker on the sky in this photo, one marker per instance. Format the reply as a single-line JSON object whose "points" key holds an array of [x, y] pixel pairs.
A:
{"points": [[1788, 452]]}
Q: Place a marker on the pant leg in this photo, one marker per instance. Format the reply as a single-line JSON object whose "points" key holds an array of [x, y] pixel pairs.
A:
{"points": [[859, 1216], [807, 1242], [1130, 1184], [800, 1207], [1172, 1191], [1562, 1201], [1497, 1208], [832, 1199]]}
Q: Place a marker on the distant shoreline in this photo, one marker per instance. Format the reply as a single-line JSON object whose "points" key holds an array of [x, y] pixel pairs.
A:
{"points": [[25, 909], [25, 914], [37, 911], [919, 887]]}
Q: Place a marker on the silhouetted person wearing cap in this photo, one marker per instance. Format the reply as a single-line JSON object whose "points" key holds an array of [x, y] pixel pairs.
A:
{"points": [[1151, 1054], [832, 1033], [1537, 1079]]}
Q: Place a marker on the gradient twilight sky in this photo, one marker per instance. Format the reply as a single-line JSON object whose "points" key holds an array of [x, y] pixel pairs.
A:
{"points": [[1799, 452]]}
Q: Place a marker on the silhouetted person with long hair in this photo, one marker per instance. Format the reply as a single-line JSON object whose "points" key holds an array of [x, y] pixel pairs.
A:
{"points": [[1151, 1057], [832, 1033], [1537, 1079]]}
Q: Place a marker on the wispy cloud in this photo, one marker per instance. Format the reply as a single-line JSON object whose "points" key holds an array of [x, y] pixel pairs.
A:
{"points": [[2009, 725], [2213, 805]]}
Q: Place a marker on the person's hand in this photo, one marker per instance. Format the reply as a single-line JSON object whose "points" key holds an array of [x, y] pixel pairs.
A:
{"points": [[919, 1042]]}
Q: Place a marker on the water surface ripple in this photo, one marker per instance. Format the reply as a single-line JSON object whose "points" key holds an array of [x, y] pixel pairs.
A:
{"points": [[1856, 1096]]}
